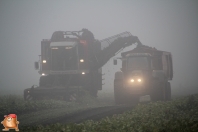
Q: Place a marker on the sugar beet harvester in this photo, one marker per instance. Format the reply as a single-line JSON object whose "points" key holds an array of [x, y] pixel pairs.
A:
{"points": [[145, 71], [71, 62]]}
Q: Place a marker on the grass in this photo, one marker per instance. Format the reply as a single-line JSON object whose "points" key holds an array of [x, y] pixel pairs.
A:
{"points": [[44, 109], [178, 115], [16, 104]]}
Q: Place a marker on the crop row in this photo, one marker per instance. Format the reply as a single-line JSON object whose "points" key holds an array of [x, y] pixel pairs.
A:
{"points": [[16, 104], [179, 115]]}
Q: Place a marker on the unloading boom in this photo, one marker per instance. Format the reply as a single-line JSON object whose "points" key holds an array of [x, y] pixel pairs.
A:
{"points": [[115, 43]]}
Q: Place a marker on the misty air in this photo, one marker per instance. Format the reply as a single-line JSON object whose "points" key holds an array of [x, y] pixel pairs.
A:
{"points": [[98, 65]]}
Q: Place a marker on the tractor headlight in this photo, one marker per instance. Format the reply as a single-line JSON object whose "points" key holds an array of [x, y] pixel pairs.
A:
{"points": [[43, 74], [132, 80], [139, 80], [81, 60], [44, 61]]}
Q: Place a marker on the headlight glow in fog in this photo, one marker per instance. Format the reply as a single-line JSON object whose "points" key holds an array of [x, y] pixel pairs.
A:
{"points": [[83, 73], [81, 60], [44, 61], [136, 80], [132, 80], [139, 80]]}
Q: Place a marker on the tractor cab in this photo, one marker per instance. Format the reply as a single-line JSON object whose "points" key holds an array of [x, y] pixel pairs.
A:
{"points": [[138, 61], [137, 67]]}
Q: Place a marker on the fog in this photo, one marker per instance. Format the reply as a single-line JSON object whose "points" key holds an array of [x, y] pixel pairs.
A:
{"points": [[170, 25]]}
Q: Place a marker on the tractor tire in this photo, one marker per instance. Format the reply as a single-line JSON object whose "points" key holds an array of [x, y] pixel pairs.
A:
{"points": [[159, 87], [168, 91], [159, 91], [163, 91], [119, 93]]}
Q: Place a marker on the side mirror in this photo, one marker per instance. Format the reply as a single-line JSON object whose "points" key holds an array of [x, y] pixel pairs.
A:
{"points": [[36, 65], [115, 62]]}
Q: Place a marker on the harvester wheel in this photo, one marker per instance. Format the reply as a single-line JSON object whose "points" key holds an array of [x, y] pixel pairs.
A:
{"points": [[118, 92]]}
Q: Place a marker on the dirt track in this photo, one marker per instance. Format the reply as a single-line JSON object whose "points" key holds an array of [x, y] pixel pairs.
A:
{"points": [[89, 114]]}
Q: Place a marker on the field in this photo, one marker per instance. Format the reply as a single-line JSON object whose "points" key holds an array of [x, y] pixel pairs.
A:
{"points": [[178, 115]]}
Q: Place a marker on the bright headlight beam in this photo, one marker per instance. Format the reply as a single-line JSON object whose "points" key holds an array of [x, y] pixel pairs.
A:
{"points": [[132, 80], [44, 61], [83, 73], [81, 60], [139, 80]]}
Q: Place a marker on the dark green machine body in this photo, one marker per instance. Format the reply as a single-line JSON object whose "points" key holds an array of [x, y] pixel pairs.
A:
{"points": [[145, 71], [71, 61]]}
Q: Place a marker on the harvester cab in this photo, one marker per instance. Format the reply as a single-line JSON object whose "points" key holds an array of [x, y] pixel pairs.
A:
{"points": [[72, 61], [65, 52]]}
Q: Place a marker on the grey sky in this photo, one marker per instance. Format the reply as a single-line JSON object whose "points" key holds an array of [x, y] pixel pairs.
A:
{"points": [[170, 25]]}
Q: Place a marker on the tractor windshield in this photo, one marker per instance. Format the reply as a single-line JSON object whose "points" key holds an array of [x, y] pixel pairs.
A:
{"points": [[63, 56], [138, 63]]}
